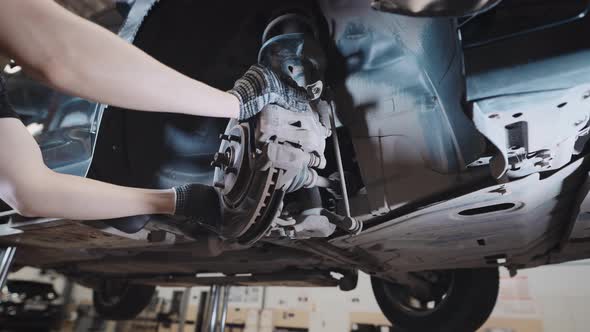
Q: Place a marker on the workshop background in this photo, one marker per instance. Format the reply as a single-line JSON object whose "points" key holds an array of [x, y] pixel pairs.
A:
{"points": [[551, 298]]}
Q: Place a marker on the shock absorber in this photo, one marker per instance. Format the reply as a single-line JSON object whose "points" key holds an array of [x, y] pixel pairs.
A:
{"points": [[291, 48]]}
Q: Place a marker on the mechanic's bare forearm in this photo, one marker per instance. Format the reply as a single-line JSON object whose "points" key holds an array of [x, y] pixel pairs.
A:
{"points": [[33, 190], [65, 196], [83, 59]]}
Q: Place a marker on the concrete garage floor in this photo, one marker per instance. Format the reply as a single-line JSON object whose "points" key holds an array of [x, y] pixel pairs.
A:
{"points": [[545, 299]]}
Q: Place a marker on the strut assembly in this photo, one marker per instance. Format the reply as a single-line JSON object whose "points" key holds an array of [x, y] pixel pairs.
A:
{"points": [[278, 152]]}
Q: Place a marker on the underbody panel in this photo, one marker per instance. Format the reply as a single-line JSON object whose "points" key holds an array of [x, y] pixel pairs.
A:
{"points": [[517, 223]]}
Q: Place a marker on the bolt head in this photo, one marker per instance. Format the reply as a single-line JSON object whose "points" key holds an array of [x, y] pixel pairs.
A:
{"points": [[221, 158]]}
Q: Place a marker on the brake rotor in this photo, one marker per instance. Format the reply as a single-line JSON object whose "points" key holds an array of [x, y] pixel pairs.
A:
{"points": [[251, 199]]}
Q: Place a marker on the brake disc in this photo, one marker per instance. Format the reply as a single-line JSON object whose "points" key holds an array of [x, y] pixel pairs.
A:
{"points": [[251, 199]]}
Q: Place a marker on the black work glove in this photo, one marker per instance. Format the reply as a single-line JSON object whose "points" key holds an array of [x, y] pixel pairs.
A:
{"points": [[4, 105], [6, 109], [199, 202], [260, 86]]}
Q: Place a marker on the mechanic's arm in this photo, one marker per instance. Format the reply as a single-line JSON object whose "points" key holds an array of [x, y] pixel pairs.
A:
{"points": [[83, 59], [33, 190]]}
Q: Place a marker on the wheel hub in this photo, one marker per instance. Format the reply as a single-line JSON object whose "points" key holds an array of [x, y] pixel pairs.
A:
{"points": [[233, 162]]}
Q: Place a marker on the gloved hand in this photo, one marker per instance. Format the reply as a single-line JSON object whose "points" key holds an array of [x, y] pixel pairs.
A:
{"points": [[260, 86], [199, 202]]}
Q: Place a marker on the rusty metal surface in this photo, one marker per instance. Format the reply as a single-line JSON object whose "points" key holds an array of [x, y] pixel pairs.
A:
{"points": [[75, 235], [51, 257], [316, 279], [164, 263]]}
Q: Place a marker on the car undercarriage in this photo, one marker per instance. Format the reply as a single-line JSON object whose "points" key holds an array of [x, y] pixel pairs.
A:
{"points": [[434, 149]]}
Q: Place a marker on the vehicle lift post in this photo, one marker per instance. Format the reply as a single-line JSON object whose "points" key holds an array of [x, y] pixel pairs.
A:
{"points": [[6, 258], [216, 310]]}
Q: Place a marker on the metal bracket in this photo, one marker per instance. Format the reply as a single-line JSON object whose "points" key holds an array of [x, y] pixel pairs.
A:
{"points": [[534, 132]]}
